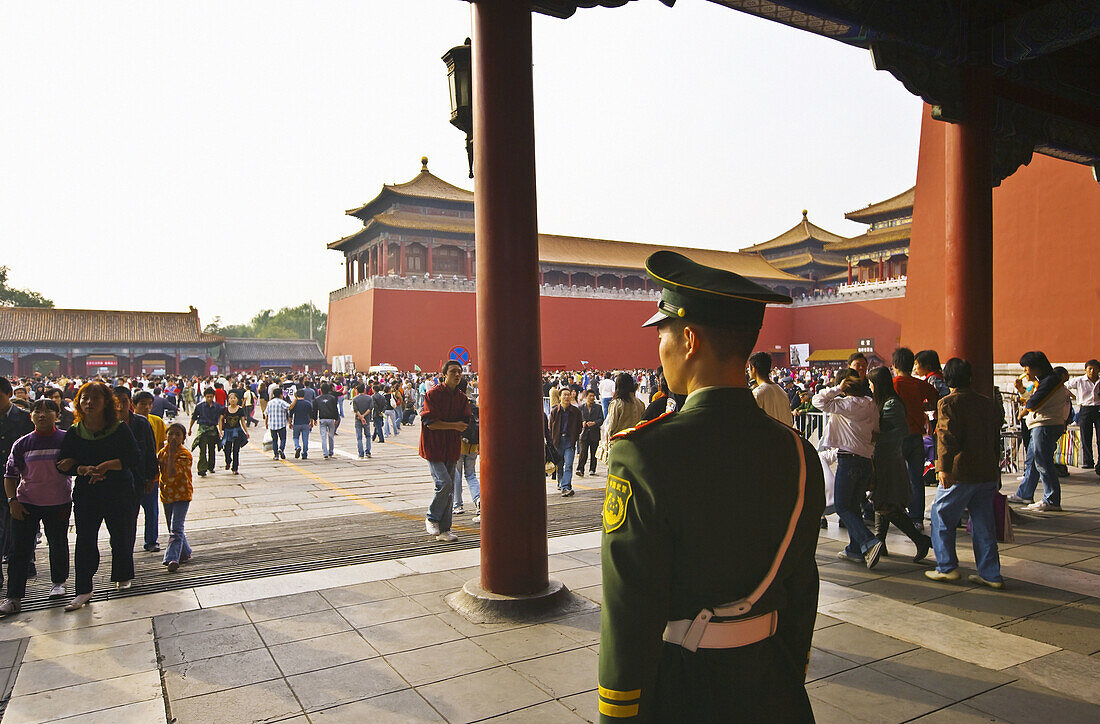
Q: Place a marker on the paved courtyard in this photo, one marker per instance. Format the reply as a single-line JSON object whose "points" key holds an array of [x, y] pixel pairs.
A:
{"points": [[315, 595]]}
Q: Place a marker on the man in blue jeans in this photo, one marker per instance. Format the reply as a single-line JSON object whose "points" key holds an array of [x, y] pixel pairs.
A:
{"points": [[302, 416], [327, 411], [362, 406], [565, 429], [445, 416], [968, 436]]}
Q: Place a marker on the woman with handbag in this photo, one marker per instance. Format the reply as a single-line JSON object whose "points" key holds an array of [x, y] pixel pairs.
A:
{"points": [[624, 412], [233, 432]]}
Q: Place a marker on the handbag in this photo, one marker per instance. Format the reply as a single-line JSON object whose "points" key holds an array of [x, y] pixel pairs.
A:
{"points": [[1002, 519], [553, 460], [603, 450]]}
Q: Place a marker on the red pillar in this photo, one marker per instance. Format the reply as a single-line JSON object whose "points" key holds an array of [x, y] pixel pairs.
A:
{"points": [[513, 502], [15, 362], [468, 275], [968, 222], [849, 271], [347, 272], [384, 265], [401, 260], [881, 273], [428, 262]]}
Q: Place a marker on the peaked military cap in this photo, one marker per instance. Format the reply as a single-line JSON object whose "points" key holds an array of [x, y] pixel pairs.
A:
{"points": [[707, 295]]}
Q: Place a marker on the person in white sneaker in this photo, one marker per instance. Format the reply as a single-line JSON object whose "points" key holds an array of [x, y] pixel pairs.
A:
{"points": [[445, 416], [1045, 415], [37, 493], [968, 437]]}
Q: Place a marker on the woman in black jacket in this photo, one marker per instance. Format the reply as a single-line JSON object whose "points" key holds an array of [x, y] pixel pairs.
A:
{"points": [[101, 451]]}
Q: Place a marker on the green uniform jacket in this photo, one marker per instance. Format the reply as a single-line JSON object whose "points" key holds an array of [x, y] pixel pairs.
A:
{"points": [[697, 504]]}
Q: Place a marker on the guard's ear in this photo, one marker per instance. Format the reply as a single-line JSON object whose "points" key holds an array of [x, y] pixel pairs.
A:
{"points": [[692, 341]]}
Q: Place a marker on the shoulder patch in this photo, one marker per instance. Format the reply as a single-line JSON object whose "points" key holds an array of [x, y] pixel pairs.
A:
{"points": [[615, 500], [640, 425]]}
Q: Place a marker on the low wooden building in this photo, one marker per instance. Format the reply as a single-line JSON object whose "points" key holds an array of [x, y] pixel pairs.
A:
{"points": [[247, 354], [87, 342]]}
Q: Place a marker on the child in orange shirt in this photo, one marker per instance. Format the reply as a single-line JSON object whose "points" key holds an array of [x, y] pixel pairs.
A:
{"points": [[175, 493]]}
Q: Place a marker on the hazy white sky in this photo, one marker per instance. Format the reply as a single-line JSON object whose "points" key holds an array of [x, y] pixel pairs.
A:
{"points": [[207, 150]]}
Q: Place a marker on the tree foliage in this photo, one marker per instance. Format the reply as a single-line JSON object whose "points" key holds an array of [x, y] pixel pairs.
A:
{"points": [[287, 323], [10, 297]]}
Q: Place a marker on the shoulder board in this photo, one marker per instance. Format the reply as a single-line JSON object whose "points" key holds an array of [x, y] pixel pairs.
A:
{"points": [[639, 426]]}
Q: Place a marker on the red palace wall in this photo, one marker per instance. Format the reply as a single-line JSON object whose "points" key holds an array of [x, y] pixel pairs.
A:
{"points": [[407, 327], [833, 326], [1045, 288]]}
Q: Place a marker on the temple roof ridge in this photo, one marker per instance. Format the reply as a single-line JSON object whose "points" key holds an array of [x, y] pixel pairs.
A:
{"points": [[425, 185], [803, 230], [894, 204]]}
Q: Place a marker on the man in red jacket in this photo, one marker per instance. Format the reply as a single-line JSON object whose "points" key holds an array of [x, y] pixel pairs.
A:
{"points": [[445, 416]]}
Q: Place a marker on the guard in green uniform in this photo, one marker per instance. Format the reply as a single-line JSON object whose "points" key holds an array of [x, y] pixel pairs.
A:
{"points": [[710, 523]]}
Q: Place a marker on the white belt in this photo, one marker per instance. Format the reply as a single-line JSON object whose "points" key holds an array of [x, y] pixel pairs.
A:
{"points": [[703, 633]]}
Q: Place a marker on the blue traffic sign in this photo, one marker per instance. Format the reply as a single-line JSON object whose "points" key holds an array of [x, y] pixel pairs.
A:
{"points": [[460, 355]]}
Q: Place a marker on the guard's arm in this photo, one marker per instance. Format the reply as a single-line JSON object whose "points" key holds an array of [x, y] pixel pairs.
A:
{"points": [[636, 567]]}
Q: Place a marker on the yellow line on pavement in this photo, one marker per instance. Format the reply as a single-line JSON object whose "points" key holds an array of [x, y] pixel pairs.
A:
{"points": [[368, 504]]}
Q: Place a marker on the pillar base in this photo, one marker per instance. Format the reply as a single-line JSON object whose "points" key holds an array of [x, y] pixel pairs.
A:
{"points": [[477, 605]]}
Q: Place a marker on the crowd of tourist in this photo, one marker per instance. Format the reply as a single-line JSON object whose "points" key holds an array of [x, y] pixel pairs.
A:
{"points": [[108, 451]]}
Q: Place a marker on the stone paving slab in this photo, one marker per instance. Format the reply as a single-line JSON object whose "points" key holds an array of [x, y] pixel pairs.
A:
{"points": [[375, 642]]}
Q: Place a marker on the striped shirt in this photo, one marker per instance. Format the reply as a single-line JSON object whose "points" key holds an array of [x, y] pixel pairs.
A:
{"points": [[33, 460], [276, 414]]}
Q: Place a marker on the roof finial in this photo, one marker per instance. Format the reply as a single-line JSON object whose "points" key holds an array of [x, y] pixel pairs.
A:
{"points": [[423, 164], [804, 212]]}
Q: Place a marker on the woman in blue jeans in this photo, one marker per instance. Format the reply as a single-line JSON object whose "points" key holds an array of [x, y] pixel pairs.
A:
{"points": [[1045, 415], [176, 491], [854, 418]]}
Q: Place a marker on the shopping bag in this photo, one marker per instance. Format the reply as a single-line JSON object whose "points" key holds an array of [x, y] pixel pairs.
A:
{"points": [[1003, 517], [828, 457], [267, 441], [1068, 451]]}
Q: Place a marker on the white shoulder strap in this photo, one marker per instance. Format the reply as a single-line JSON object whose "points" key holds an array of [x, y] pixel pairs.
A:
{"points": [[743, 606]]}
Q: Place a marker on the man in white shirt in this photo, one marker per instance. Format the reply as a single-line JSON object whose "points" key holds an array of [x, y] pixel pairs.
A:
{"points": [[607, 391], [1086, 391], [771, 397]]}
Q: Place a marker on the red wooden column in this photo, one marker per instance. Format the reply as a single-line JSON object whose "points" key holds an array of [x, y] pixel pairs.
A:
{"points": [[401, 261], [881, 269], [428, 262], [849, 271], [513, 483], [968, 248], [468, 275]]}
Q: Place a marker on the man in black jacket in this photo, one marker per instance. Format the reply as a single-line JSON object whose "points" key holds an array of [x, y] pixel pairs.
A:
{"points": [[15, 422], [591, 421], [381, 402]]}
